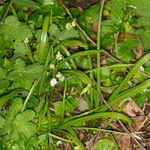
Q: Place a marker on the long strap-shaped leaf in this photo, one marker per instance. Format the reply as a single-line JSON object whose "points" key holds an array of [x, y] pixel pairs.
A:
{"points": [[80, 75], [75, 139], [130, 74], [83, 53], [130, 92], [114, 115], [41, 53]]}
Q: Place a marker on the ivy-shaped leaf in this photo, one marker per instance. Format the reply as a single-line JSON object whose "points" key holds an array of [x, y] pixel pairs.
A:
{"points": [[104, 144], [23, 125]]}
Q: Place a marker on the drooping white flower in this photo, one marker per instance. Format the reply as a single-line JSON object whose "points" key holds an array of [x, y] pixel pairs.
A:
{"points": [[141, 68], [58, 143], [53, 82], [52, 66], [71, 25], [68, 25], [59, 56], [26, 40]]}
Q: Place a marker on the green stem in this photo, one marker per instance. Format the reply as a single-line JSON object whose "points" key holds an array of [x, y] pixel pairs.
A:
{"points": [[59, 138], [64, 97], [30, 94], [98, 56]]}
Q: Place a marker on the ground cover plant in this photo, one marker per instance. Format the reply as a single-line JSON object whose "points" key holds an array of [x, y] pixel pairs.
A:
{"points": [[68, 70]]}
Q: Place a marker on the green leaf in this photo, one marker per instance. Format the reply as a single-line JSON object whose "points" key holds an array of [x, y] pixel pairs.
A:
{"points": [[130, 74], [144, 34], [142, 7], [23, 125], [7, 97], [30, 72], [13, 33], [104, 144], [58, 107], [24, 3], [114, 115], [87, 18], [71, 103], [15, 107], [68, 34], [2, 121], [125, 49], [80, 75], [2, 74], [62, 35]]}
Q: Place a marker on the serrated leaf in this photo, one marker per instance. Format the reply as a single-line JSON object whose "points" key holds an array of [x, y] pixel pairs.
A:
{"points": [[30, 72], [62, 35], [15, 107], [23, 125], [13, 33], [104, 144], [125, 49], [54, 30], [68, 34], [142, 7], [24, 3]]}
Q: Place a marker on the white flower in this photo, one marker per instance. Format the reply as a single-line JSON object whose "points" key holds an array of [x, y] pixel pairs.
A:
{"points": [[58, 143], [141, 68], [62, 79], [53, 82], [58, 75], [52, 66], [68, 26], [26, 40], [59, 56]]}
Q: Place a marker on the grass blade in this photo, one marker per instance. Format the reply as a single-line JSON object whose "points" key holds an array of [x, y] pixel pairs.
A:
{"points": [[130, 74], [98, 55], [114, 115], [41, 53], [83, 53]]}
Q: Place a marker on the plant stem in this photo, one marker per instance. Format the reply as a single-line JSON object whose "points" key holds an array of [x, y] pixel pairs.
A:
{"points": [[97, 102]]}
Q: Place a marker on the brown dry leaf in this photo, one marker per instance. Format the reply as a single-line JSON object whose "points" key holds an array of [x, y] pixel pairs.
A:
{"points": [[139, 122], [123, 141], [131, 109]]}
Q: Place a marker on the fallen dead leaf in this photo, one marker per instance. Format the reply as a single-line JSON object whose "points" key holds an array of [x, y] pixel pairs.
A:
{"points": [[124, 142], [139, 122], [131, 109]]}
